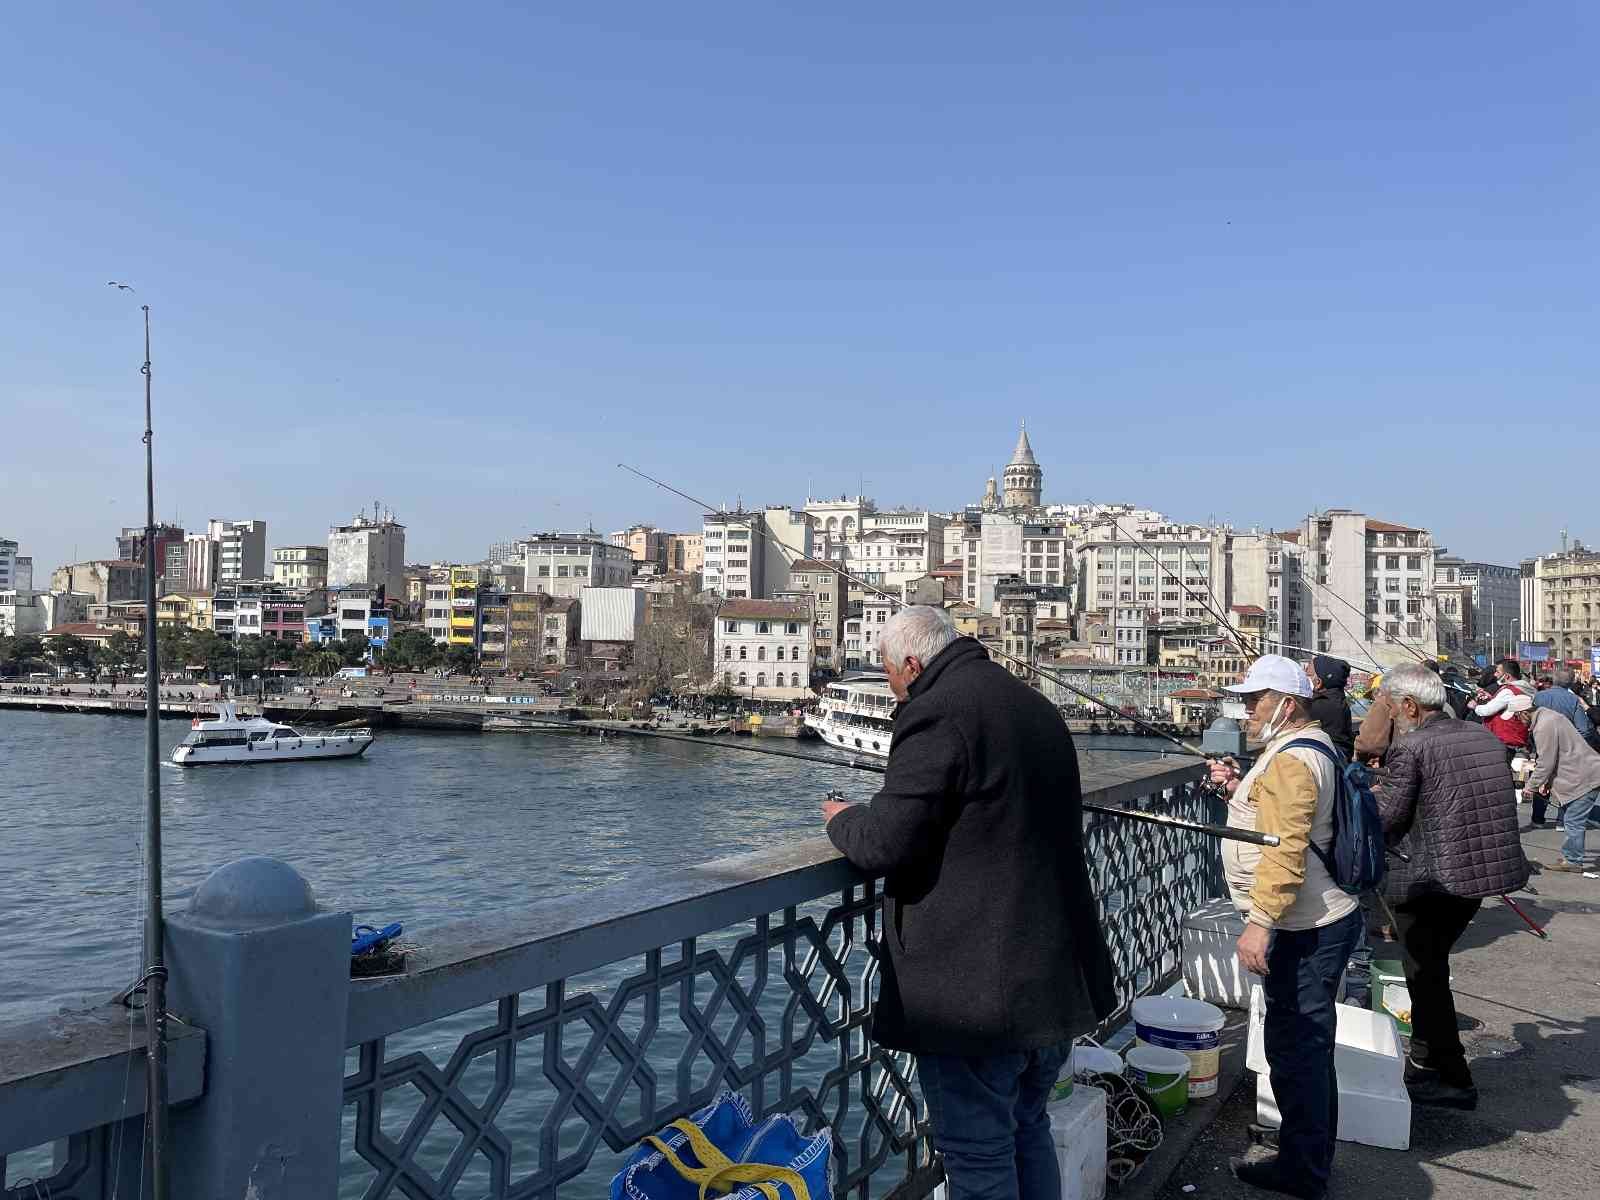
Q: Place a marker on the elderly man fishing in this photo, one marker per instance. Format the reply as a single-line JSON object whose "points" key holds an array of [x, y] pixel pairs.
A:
{"points": [[995, 956], [1300, 925]]}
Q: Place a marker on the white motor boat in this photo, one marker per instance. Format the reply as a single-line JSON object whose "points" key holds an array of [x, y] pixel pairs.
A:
{"points": [[231, 739], [857, 715]]}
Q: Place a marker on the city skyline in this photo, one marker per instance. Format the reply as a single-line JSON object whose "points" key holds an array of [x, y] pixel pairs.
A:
{"points": [[1238, 265]]}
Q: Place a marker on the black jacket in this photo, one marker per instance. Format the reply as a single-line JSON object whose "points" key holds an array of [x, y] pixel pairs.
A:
{"points": [[993, 935], [1446, 799], [1331, 710]]}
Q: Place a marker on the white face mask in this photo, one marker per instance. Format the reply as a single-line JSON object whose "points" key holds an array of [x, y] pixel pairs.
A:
{"points": [[1275, 726]]}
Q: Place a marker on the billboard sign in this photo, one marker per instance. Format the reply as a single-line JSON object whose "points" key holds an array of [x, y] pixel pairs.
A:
{"points": [[1533, 651], [1594, 660]]}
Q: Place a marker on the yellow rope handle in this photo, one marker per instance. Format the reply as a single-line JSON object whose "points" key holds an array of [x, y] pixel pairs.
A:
{"points": [[720, 1170]]}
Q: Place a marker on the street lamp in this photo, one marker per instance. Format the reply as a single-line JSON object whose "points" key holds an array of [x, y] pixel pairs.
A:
{"points": [[1511, 640]]}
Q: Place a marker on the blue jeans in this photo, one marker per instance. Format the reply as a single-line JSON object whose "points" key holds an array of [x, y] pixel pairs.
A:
{"points": [[990, 1125], [1574, 815], [1303, 969]]}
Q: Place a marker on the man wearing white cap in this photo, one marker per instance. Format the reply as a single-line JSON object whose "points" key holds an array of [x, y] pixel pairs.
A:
{"points": [[1566, 769], [1300, 925]]}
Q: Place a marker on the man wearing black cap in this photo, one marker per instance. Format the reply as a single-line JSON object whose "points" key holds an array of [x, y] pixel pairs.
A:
{"points": [[1329, 707]]}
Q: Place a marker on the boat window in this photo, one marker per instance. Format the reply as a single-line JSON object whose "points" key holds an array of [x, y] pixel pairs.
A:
{"points": [[258, 737], [222, 739], [283, 731]]}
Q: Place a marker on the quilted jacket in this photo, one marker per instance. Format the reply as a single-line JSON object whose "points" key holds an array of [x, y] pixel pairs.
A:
{"points": [[1447, 801]]}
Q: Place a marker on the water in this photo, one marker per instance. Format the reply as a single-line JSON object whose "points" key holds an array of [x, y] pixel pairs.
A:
{"points": [[425, 828]]}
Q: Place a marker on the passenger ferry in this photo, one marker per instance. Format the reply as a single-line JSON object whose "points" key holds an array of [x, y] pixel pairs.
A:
{"points": [[230, 739], [857, 715]]}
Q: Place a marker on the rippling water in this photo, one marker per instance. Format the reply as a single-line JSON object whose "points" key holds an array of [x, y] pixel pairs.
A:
{"points": [[425, 828]]}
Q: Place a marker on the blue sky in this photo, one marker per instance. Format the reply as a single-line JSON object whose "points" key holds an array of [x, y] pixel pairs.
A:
{"points": [[1235, 261]]}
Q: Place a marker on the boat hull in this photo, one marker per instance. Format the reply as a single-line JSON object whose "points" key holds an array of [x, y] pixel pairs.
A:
{"points": [[300, 749], [855, 738]]}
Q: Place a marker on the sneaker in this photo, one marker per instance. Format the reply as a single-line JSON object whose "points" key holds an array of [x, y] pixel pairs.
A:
{"points": [[1564, 865], [1269, 1177], [1436, 1093]]}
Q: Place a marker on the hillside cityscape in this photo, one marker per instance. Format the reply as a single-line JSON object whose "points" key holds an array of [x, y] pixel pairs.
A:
{"points": [[769, 600]]}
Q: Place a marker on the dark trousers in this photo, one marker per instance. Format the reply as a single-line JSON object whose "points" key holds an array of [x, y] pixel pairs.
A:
{"points": [[1428, 928], [990, 1125], [1303, 969]]}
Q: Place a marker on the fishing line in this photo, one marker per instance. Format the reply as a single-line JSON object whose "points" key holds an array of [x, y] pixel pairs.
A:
{"points": [[1043, 672], [856, 764]]}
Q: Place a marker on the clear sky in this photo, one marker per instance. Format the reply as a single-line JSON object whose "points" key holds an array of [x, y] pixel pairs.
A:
{"points": [[1234, 260]]}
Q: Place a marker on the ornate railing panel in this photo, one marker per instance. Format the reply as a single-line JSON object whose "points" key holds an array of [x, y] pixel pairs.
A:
{"points": [[547, 1089]]}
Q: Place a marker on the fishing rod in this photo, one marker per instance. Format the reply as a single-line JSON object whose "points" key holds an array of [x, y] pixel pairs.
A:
{"points": [[1213, 606], [995, 652], [856, 764]]}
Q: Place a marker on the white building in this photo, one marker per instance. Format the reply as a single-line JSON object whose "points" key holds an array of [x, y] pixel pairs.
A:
{"points": [[563, 564], [1263, 570], [16, 571], [788, 541], [300, 566], [898, 546], [735, 565], [995, 545], [853, 642], [21, 613], [1370, 588], [65, 608], [836, 526], [241, 550], [436, 610], [368, 551], [611, 614], [200, 559], [763, 648], [875, 614]]}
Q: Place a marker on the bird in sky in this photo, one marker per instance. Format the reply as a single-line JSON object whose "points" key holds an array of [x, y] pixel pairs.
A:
{"points": [[113, 283]]}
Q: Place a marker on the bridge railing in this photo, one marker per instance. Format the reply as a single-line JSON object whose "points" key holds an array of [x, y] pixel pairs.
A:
{"points": [[527, 1051]]}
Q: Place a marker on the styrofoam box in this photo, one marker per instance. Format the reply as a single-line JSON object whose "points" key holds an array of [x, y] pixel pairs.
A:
{"points": [[1078, 1129], [1374, 1108], [1211, 967]]}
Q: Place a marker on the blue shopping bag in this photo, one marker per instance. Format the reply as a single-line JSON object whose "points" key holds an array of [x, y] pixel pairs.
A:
{"points": [[722, 1150]]}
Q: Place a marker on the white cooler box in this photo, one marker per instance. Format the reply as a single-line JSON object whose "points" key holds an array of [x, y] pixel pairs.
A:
{"points": [[1078, 1129], [1374, 1108]]}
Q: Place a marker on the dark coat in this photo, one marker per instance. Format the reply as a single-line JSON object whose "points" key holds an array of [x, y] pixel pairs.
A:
{"points": [[1331, 710], [1447, 801], [993, 935]]}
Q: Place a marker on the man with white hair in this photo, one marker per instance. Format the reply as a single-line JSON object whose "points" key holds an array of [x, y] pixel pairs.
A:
{"points": [[995, 960], [1567, 769], [1448, 804]]}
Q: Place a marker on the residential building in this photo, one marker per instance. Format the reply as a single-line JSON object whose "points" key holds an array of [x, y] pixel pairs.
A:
{"points": [[90, 631], [436, 611], [201, 558], [1478, 604], [1263, 570], [686, 552], [369, 551], [241, 549], [611, 614], [853, 641], [875, 613], [1016, 605], [107, 580], [763, 648], [788, 540], [1370, 585], [21, 613], [65, 608], [16, 571], [359, 609], [558, 640], [994, 545], [735, 558], [836, 527], [897, 546], [176, 610], [1560, 603], [168, 542], [303, 567], [464, 586], [645, 543], [563, 564], [826, 589], [511, 626], [252, 608]]}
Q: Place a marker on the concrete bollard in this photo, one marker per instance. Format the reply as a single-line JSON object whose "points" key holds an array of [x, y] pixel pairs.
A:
{"points": [[267, 975]]}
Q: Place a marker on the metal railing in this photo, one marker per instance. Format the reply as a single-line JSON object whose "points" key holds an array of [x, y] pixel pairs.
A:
{"points": [[526, 1052]]}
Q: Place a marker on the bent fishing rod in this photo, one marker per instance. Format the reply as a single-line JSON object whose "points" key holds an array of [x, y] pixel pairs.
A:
{"points": [[994, 652], [856, 764]]}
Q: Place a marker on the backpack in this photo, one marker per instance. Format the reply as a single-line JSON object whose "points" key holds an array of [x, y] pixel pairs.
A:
{"points": [[1355, 857]]}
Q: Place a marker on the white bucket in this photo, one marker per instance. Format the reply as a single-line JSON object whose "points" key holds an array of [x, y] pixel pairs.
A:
{"points": [[1095, 1060], [1162, 1073], [1178, 1023]]}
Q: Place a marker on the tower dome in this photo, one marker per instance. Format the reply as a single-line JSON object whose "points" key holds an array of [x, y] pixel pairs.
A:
{"points": [[1024, 479]]}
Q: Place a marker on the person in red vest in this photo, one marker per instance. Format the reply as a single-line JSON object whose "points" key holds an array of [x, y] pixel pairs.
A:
{"points": [[1512, 733]]}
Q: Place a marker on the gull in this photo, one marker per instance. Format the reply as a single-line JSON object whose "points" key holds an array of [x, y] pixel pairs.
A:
{"points": [[113, 283]]}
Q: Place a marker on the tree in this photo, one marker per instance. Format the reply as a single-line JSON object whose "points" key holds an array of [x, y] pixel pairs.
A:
{"points": [[674, 644], [460, 658], [18, 652], [352, 649], [411, 650], [124, 650], [71, 652]]}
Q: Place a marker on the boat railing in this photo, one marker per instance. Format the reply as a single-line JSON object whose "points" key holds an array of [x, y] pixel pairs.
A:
{"points": [[523, 1049]]}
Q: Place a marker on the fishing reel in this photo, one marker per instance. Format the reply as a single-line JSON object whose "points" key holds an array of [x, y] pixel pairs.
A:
{"points": [[836, 796]]}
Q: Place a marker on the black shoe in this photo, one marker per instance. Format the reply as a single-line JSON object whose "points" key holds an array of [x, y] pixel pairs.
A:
{"points": [[1263, 1135], [1266, 1175], [1436, 1093]]}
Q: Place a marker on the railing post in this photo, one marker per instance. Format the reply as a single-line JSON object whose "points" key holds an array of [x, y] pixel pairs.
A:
{"points": [[267, 976]]}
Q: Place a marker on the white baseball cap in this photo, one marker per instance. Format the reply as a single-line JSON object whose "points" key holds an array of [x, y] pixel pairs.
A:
{"points": [[1276, 673]]}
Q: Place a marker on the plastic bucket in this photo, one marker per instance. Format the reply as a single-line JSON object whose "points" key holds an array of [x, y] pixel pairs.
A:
{"points": [[1178, 1023], [1162, 1073], [1095, 1060]]}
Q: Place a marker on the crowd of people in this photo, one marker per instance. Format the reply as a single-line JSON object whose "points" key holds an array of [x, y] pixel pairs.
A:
{"points": [[978, 834]]}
